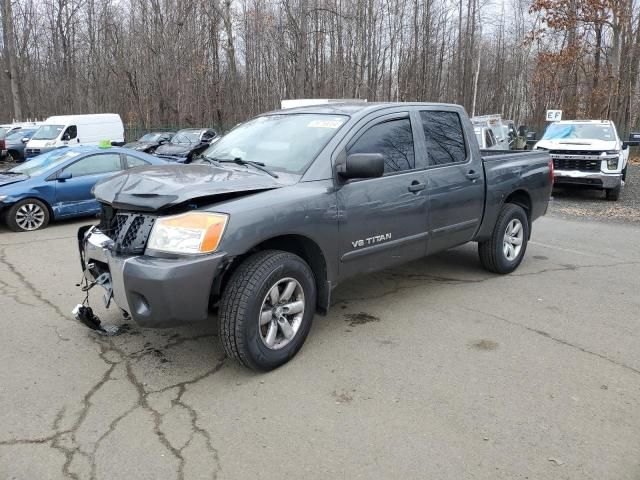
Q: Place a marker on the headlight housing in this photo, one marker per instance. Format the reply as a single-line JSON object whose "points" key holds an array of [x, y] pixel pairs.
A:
{"points": [[541, 148], [2, 197], [188, 233], [50, 144], [612, 163]]}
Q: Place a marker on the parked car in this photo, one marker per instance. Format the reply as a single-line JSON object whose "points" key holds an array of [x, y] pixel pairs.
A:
{"points": [[67, 130], [10, 127], [58, 184], [150, 141], [486, 139], [186, 144], [288, 205], [588, 154], [13, 145]]}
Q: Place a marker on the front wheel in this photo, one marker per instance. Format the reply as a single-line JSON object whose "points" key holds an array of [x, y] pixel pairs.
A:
{"points": [[27, 215], [266, 309], [613, 194], [504, 251]]}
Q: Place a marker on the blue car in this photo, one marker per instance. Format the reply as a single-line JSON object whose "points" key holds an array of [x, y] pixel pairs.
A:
{"points": [[58, 184]]}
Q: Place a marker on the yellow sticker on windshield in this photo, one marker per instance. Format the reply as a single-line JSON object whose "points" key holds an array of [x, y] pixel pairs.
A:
{"points": [[325, 123]]}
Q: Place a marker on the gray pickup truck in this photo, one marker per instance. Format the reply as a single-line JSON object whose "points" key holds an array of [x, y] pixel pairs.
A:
{"points": [[286, 206]]}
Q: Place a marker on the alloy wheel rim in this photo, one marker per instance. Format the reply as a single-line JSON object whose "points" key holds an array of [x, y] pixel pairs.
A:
{"points": [[513, 238], [281, 313], [30, 216]]}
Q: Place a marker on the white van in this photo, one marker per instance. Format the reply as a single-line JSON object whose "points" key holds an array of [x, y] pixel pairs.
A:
{"points": [[70, 130]]}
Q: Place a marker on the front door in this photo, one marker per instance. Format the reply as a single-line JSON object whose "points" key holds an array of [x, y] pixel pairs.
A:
{"points": [[383, 221], [73, 195]]}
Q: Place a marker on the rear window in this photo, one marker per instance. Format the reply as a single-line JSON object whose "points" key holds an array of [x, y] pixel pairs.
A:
{"points": [[444, 137]]}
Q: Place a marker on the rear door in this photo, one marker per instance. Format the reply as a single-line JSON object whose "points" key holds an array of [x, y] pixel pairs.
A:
{"points": [[383, 221], [73, 195], [455, 179]]}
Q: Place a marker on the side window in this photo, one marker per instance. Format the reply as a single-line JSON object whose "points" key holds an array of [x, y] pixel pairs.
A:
{"points": [[95, 164], [70, 133], [444, 137], [135, 162], [393, 139]]}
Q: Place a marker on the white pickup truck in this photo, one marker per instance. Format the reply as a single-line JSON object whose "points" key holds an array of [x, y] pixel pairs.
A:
{"points": [[587, 153]]}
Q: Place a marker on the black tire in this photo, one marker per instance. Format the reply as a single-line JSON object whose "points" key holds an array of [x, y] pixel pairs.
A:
{"points": [[491, 252], [613, 194], [41, 220], [242, 302], [624, 172]]}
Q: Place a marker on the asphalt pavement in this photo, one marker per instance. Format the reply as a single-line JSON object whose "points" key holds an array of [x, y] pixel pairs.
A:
{"points": [[434, 370]]}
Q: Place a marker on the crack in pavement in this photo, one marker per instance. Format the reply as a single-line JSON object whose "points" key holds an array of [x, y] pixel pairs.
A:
{"points": [[36, 293], [65, 440], [561, 341]]}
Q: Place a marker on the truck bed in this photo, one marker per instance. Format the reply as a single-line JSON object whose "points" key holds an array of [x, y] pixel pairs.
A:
{"points": [[527, 173]]}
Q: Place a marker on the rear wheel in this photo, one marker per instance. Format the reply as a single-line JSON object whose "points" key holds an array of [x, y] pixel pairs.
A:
{"points": [[27, 215], [266, 309], [504, 251]]}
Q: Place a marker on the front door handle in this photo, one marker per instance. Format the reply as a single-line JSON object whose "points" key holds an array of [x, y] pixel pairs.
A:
{"points": [[473, 175], [416, 186]]}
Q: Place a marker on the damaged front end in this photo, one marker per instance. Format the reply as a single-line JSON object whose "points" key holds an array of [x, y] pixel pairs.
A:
{"points": [[155, 290]]}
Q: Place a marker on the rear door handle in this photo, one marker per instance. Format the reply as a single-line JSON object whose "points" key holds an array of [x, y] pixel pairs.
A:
{"points": [[417, 186], [473, 175]]}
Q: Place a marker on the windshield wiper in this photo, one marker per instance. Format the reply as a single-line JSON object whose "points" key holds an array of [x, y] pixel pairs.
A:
{"points": [[240, 161], [9, 172]]}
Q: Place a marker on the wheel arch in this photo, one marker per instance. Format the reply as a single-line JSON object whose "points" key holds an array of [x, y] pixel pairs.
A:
{"points": [[521, 198], [299, 245]]}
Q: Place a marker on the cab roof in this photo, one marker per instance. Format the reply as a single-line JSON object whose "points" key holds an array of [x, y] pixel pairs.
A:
{"points": [[352, 108]]}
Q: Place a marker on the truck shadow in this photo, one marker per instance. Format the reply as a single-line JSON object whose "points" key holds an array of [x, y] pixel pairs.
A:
{"points": [[165, 357]]}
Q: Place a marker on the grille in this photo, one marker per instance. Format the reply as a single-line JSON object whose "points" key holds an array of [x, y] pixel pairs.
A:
{"points": [[129, 231], [33, 151], [580, 165], [585, 153]]}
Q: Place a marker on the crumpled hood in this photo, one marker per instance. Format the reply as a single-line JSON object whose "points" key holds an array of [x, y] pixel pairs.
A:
{"points": [[577, 144], [161, 186], [9, 179], [177, 149]]}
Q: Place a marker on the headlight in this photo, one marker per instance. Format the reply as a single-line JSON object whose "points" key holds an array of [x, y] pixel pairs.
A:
{"points": [[541, 148], [50, 144], [612, 163], [2, 197], [191, 233]]}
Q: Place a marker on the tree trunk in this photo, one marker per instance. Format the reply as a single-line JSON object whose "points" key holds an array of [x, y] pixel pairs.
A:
{"points": [[12, 69]]}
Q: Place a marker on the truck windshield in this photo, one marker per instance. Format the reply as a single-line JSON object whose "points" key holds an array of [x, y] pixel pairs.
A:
{"points": [[45, 162], [285, 142], [48, 132], [585, 131]]}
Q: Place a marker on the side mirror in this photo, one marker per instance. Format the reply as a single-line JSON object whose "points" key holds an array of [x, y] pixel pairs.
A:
{"points": [[361, 165], [25, 139], [62, 176], [634, 140]]}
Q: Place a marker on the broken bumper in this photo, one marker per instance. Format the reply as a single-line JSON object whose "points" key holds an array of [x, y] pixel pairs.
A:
{"points": [[593, 179], [156, 292]]}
